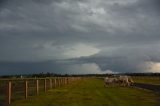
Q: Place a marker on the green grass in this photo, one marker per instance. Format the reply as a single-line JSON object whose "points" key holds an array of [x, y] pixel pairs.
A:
{"points": [[147, 79], [91, 92]]}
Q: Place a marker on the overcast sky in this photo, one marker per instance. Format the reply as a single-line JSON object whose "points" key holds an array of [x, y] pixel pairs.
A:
{"points": [[79, 36]]}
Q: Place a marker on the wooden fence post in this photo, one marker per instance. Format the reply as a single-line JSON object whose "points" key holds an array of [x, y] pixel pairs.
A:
{"points": [[50, 83], [45, 85], [68, 79], [65, 80], [9, 92], [26, 89], [37, 86], [60, 81], [55, 82]]}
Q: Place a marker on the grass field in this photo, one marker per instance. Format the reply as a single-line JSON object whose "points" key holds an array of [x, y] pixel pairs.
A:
{"points": [[91, 92], [147, 79]]}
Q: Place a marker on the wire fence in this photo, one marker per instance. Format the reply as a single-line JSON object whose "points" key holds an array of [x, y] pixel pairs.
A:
{"points": [[12, 90]]}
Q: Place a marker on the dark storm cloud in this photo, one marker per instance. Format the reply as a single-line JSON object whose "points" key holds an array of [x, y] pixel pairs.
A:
{"points": [[116, 35], [2, 1], [30, 67]]}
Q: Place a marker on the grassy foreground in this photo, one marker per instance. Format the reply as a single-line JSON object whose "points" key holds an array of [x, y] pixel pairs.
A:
{"points": [[91, 92]]}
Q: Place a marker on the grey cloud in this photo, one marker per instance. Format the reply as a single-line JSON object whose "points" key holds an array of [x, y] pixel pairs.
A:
{"points": [[126, 32]]}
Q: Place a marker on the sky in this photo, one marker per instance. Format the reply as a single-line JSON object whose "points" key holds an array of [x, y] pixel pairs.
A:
{"points": [[79, 36]]}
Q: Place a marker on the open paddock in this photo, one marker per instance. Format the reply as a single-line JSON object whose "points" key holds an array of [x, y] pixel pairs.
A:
{"points": [[92, 92], [147, 79]]}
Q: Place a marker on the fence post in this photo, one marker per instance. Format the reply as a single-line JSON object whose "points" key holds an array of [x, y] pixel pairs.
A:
{"points": [[26, 89], [68, 80], [45, 85], [59, 81], [50, 83], [9, 92], [65, 80], [59, 84], [37, 86], [55, 83]]}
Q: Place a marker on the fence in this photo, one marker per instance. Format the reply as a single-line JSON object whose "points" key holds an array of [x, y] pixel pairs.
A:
{"points": [[11, 90]]}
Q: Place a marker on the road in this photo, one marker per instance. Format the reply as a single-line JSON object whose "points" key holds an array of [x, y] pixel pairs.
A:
{"points": [[155, 88]]}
